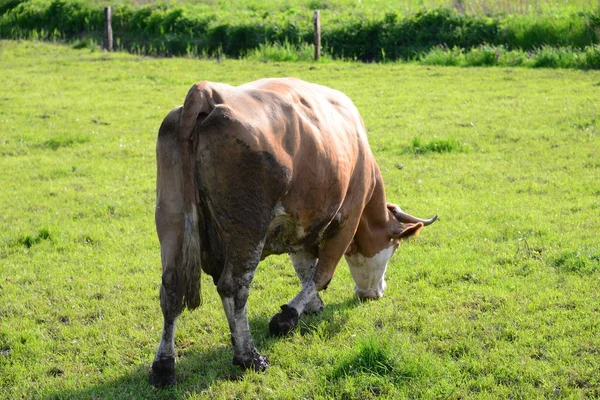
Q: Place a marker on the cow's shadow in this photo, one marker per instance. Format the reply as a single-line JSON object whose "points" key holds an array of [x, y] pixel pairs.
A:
{"points": [[198, 369]]}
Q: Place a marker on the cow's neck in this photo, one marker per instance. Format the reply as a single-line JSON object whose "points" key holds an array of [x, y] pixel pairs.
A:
{"points": [[372, 234]]}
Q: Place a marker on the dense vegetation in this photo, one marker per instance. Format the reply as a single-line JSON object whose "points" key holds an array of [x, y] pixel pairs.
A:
{"points": [[498, 299], [361, 33]]}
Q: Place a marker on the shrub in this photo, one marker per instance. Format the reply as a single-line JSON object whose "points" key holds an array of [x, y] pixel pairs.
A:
{"points": [[513, 58], [544, 57], [529, 32]]}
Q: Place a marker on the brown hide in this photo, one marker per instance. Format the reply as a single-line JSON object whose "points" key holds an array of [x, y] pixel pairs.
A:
{"points": [[269, 167], [329, 186], [378, 226]]}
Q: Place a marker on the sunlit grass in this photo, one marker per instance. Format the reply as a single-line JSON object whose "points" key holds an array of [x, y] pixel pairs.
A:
{"points": [[497, 299]]}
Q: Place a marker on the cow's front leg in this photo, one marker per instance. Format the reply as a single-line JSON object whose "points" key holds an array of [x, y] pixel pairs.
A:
{"points": [[304, 265], [308, 300], [321, 273], [233, 290]]}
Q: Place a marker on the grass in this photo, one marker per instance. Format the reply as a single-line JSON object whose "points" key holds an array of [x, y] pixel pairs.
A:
{"points": [[487, 56], [437, 145], [285, 52], [497, 299]]}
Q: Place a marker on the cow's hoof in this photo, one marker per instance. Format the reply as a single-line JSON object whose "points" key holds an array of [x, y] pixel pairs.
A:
{"points": [[163, 372], [257, 362], [283, 322]]}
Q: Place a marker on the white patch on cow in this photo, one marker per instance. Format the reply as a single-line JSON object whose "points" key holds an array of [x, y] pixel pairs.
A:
{"points": [[369, 273]]}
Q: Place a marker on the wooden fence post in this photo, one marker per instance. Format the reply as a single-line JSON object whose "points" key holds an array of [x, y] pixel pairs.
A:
{"points": [[317, 23], [108, 36]]}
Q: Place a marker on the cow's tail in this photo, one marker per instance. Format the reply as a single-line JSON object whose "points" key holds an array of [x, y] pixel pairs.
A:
{"points": [[196, 102], [191, 262]]}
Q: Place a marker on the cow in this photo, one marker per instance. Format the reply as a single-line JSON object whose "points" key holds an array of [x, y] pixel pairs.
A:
{"points": [[269, 167]]}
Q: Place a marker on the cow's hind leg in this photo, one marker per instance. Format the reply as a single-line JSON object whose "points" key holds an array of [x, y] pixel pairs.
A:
{"points": [[240, 188], [171, 302], [170, 229], [233, 288], [242, 212]]}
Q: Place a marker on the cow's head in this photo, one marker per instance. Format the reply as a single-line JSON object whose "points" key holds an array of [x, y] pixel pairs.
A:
{"points": [[369, 272]]}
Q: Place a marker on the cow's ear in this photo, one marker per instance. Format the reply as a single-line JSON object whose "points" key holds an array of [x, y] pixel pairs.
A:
{"points": [[400, 231]]}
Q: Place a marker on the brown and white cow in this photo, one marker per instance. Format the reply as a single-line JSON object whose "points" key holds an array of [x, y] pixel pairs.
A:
{"points": [[270, 167]]}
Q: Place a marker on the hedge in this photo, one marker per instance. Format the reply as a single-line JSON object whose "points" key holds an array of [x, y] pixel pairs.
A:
{"points": [[163, 29]]}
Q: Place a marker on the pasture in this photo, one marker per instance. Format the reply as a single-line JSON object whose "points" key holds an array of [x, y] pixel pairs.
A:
{"points": [[499, 298]]}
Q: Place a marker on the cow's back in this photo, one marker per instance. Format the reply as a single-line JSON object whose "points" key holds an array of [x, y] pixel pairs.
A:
{"points": [[301, 149]]}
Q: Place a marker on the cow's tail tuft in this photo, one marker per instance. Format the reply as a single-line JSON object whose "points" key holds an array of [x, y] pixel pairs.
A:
{"points": [[191, 261], [196, 102]]}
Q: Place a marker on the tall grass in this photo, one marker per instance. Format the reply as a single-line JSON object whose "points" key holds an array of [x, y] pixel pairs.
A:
{"points": [[437, 145], [365, 33], [544, 57], [471, 7], [284, 52]]}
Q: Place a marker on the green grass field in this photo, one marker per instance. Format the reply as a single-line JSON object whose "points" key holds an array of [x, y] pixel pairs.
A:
{"points": [[500, 298]]}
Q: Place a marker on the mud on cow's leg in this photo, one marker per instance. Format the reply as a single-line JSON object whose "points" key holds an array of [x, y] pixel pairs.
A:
{"points": [[304, 265], [233, 289], [169, 220], [321, 272], [286, 320], [169, 228], [163, 367], [308, 300]]}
